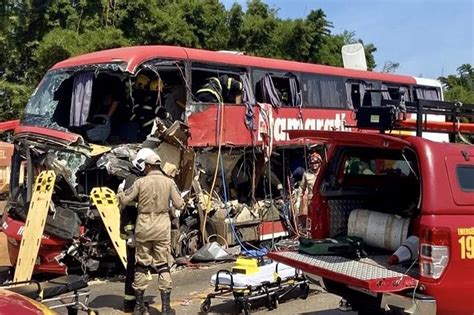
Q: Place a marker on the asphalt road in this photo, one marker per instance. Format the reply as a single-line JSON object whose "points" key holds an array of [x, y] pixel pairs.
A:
{"points": [[192, 285]]}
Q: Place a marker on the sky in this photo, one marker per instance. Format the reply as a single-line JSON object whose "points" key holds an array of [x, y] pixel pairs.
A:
{"points": [[429, 38]]}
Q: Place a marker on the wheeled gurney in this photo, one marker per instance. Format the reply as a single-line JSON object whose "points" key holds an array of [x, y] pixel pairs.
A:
{"points": [[69, 291], [272, 282]]}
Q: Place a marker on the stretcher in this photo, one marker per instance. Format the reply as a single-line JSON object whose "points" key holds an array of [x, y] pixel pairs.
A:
{"points": [[71, 292], [269, 284]]}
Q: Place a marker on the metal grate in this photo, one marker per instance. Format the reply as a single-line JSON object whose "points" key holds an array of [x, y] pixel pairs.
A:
{"points": [[340, 211], [349, 267]]}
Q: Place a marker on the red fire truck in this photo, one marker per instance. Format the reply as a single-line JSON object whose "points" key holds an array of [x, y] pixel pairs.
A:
{"points": [[385, 189]]}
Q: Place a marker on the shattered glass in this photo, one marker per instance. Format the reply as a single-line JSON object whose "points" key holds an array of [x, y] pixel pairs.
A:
{"points": [[66, 163], [40, 108]]}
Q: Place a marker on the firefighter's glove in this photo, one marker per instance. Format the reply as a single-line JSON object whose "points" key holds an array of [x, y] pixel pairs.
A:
{"points": [[131, 241], [121, 187]]}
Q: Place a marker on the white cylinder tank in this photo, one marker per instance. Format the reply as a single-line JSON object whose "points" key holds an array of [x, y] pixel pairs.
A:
{"points": [[378, 229]]}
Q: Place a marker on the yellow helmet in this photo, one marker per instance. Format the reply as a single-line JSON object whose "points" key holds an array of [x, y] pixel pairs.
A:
{"points": [[156, 85], [142, 81]]}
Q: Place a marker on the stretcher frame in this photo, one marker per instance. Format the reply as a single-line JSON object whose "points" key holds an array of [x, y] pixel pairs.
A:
{"points": [[271, 292], [73, 300]]}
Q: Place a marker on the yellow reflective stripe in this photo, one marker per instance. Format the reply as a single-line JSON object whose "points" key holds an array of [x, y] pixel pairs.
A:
{"points": [[129, 227], [128, 297], [123, 236], [229, 83], [147, 107], [148, 122], [208, 90], [217, 82]]}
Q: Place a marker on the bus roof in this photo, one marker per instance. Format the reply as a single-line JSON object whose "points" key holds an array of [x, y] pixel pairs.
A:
{"points": [[134, 56]]}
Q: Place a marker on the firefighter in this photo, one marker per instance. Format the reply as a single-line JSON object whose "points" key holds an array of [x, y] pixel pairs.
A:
{"points": [[223, 89], [147, 97], [154, 192], [128, 218], [306, 186]]}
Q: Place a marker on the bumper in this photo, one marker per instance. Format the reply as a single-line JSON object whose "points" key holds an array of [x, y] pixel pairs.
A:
{"points": [[418, 304]]}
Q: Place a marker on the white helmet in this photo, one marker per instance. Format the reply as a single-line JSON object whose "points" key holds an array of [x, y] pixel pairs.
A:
{"points": [[145, 155]]}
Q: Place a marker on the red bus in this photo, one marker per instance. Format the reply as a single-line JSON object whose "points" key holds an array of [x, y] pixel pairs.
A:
{"points": [[59, 131]]}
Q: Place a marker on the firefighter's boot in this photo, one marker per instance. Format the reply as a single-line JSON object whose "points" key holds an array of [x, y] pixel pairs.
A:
{"points": [[129, 305], [140, 307], [166, 303]]}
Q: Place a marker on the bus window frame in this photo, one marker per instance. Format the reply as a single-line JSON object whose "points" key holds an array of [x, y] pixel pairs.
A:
{"points": [[308, 101], [279, 74], [218, 68]]}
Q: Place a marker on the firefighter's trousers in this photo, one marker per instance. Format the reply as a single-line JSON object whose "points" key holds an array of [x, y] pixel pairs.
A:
{"points": [[130, 274], [152, 255]]}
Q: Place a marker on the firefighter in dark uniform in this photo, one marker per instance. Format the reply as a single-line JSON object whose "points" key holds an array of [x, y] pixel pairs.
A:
{"points": [[154, 192], [128, 218], [223, 89]]}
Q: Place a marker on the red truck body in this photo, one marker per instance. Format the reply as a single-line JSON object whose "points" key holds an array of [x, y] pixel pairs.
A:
{"points": [[444, 222]]}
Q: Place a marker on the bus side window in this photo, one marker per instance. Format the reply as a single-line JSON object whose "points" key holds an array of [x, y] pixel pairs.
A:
{"points": [[279, 90], [212, 84], [425, 93], [355, 95], [324, 91]]}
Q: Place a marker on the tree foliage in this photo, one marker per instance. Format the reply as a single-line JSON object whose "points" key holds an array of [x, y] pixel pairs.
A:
{"points": [[35, 34], [460, 86]]}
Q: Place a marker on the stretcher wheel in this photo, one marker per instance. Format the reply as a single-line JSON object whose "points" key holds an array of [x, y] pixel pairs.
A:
{"points": [[246, 308], [305, 288], [275, 302], [206, 306]]}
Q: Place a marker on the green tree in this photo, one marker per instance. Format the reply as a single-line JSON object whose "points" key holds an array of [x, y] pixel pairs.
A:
{"points": [[35, 34], [460, 86]]}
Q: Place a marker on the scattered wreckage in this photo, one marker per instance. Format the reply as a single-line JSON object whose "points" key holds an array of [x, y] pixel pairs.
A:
{"points": [[75, 239], [92, 113]]}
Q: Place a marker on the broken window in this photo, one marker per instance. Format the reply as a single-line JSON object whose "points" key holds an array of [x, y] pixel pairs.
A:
{"points": [[395, 92], [214, 84], [277, 89]]}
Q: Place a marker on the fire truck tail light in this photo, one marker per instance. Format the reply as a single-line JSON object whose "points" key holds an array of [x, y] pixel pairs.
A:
{"points": [[434, 251]]}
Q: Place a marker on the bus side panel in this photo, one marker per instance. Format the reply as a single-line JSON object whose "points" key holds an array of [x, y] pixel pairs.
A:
{"points": [[203, 124], [453, 291]]}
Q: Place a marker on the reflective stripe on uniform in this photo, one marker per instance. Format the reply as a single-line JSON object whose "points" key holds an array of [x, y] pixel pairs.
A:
{"points": [[148, 122], [147, 107], [216, 81], [129, 227], [129, 297], [213, 92]]}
